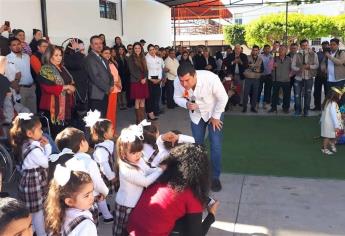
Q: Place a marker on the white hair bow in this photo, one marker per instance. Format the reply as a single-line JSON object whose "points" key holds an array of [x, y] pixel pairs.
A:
{"points": [[63, 174], [25, 116], [133, 131], [92, 117]]}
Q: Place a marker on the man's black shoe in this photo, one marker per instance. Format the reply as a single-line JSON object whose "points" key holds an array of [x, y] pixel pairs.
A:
{"points": [[244, 110], [272, 110], [253, 110], [216, 186], [316, 109]]}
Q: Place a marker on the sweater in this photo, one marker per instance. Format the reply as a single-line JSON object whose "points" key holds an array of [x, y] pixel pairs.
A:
{"points": [[133, 180]]}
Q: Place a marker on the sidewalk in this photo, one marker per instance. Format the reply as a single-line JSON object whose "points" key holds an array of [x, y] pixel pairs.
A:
{"points": [[259, 205]]}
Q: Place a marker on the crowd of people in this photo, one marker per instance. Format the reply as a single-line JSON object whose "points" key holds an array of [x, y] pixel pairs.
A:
{"points": [[164, 178]]}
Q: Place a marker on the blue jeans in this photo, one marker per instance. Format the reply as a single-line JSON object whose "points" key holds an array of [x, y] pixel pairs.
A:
{"points": [[307, 86], [215, 137]]}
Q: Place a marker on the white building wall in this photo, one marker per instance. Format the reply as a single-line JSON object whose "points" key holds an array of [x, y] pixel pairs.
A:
{"points": [[145, 19], [149, 20]]}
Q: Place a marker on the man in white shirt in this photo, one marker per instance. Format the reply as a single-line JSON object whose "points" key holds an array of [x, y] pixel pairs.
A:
{"points": [[171, 65], [334, 65], [155, 67], [21, 62], [203, 94]]}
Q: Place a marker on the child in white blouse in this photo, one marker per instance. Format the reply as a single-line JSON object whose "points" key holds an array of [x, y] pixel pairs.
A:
{"points": [[102, 133], [331, 121], [157, 147], [134, 175], [69, 199], [32, 149]]}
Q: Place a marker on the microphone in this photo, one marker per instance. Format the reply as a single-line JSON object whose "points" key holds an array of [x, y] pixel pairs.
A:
{"points": [[192, 100]]}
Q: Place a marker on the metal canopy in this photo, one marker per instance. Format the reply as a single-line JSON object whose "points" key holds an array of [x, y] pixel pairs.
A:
{"points": [[172, 3]]}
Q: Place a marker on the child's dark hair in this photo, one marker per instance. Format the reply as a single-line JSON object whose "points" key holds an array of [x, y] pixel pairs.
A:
{"points": [[170, 145], [55, 206], [18, 133], [11, 209], [99, 129], [150, 135], [70, 138], [332, 96], [188, 167]]}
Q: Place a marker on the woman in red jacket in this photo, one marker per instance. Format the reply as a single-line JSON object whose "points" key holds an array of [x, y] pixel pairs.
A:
{"points": [[178, 198], [57, 88]]}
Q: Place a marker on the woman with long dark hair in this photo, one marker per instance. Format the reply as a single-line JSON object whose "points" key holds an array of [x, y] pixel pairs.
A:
{"points": [[138, 77], [34, 42], [178, 197], [57, 88], [124, 75]]}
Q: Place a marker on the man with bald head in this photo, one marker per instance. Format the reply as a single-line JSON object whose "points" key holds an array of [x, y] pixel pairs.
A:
{"points": [[235, 64]]}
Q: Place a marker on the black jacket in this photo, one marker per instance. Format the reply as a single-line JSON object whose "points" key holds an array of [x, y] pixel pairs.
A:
{"points": [[230, 67]]}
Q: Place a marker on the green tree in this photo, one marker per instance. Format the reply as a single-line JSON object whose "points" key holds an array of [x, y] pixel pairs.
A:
{"points": [[270, 28], [339, 22], [234, 34]]}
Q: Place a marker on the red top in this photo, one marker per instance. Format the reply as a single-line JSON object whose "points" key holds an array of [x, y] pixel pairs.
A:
{"points": [[47, 91], [158, 209], [35, 64]]}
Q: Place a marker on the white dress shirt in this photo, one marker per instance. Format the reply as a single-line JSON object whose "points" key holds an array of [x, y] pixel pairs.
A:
{"points": [[38, 157], [133, 180], [94, 172], [22, 64], [86, 227], [172, 65], [330, 69], [209, 93], [101, 156], [155, 66]]}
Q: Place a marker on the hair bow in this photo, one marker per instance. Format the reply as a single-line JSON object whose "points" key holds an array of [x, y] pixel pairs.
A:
{"points": [[25, 116], [92, 117], [133, 131], [63, 174]]}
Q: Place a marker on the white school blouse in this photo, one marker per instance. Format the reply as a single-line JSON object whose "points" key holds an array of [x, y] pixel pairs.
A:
{"points": [[209, 93], [163, 152], [86, 227], [94, 172], [38, 157], [101, 156], [133, 181]]}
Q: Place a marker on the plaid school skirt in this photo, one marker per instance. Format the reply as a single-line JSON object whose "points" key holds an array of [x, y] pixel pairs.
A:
{"points": [[95, 213], [121, 214], [113, 187], [33, 188]]}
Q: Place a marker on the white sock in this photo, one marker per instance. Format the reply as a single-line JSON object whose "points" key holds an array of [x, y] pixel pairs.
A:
{"points": [[38, 223], [102, 207]]}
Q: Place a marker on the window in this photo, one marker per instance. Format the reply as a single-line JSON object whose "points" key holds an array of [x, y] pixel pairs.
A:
{"points": [[316, 42], [238, 18], [238, 21], [107, 9]]}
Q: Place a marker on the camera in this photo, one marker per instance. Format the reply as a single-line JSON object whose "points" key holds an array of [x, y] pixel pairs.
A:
{"points": [[327, 49]]}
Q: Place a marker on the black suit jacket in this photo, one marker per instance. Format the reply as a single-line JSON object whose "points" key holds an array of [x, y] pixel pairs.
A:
{"points": [[99, 76], [230, 67]]}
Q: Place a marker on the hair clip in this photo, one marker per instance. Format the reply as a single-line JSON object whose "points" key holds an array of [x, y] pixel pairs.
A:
{"points": [[92, 117], [25, 116]]}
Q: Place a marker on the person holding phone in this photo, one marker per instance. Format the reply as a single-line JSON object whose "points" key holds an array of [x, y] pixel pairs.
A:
{"points": [[175, 203], [4, 48]]}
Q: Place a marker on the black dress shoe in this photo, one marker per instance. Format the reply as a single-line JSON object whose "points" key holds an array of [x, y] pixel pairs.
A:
{"points": [[244, 110], [216, 186], [272, 110], [253, 110], [316, 109]]}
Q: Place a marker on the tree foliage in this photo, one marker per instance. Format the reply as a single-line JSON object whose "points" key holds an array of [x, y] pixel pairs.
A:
{"points": [[234, 34], [270, 28]]}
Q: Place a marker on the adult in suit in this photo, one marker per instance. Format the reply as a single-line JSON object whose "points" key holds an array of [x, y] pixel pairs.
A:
{"points": [[100, 79]]}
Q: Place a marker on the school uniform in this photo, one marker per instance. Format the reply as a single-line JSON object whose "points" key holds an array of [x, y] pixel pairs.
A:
{"points": [[33, 185], [330, 120], [133, 180], [78, 223], [154, 158], [104, 156]]}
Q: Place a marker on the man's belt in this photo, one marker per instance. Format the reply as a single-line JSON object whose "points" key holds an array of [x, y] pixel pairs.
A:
{"points": [[26, 86]]}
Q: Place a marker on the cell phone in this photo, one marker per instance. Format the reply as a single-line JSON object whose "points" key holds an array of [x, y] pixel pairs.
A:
{"points": [[7, 23], [211, 201]]}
